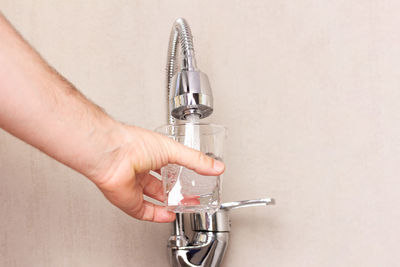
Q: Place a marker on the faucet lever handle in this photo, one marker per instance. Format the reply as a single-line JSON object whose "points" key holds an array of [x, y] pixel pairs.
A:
{"points": [[247, 203], [219, 221]]}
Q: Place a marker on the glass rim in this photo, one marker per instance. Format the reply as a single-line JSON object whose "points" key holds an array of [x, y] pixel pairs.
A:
{"points": [[164, 129]]}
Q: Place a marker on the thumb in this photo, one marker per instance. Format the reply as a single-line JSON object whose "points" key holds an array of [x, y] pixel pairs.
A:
{"points": [[193, 159]]}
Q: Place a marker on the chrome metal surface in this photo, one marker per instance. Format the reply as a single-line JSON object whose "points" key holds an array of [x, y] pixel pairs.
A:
{"points": [[216, 222], [247, 203], [219, 221], [188, 89], [206, 250], [178, 237], [191, 93], [209, 243]]}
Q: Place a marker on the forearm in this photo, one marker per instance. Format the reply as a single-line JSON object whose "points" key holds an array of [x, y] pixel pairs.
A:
{"points": [[40, 107]]}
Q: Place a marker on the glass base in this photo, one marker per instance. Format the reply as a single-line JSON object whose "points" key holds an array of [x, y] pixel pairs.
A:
{"points": [[187, 192], [193, 209]]}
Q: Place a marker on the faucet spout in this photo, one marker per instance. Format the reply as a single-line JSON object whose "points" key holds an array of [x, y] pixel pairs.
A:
{"points": [[189, 90]]}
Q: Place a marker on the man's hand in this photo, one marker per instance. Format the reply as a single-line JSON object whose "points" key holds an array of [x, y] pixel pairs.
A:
{"points": [[127, 178]]}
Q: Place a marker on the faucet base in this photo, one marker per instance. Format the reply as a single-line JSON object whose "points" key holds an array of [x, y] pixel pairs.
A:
{"points": [[206, 250]]}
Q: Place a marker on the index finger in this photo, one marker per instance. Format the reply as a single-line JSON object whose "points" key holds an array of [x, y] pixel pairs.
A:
{"points": [[194, 159]]}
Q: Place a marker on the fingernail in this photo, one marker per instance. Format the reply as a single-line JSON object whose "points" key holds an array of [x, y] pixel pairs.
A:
{"points": [[218, 166]]}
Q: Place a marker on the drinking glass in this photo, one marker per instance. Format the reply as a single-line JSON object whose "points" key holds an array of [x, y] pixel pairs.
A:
{"points": [[185, 190]]}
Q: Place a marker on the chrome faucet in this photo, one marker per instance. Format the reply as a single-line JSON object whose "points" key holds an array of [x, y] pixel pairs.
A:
{"points": [[198, 239]]}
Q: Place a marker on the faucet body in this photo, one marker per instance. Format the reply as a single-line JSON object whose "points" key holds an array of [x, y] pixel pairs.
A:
{"points": [[198, 239], [210, 235], [204, 249]]}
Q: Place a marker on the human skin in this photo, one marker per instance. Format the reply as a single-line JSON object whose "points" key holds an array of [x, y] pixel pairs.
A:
{"points": [[43, 109]]}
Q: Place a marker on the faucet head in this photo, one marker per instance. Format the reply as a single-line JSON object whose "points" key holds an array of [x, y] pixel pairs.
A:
{"points": [[191, 94]]}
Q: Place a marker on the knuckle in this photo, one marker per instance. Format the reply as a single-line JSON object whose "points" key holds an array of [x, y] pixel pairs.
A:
{"points": [[137, 213], [171, 149], [203, 159], [109, 185]]}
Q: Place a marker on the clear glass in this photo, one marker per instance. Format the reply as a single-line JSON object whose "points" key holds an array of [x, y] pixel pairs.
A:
{"points": [[184, 189]]}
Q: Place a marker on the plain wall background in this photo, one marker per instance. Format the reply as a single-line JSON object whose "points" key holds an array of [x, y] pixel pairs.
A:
{"points": [[309, 91]]}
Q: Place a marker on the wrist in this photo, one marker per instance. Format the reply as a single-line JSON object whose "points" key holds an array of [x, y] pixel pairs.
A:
{"points": [[106, 145]]}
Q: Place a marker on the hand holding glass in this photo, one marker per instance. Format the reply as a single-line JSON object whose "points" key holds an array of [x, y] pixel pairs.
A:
{"points": [[184, 189]]}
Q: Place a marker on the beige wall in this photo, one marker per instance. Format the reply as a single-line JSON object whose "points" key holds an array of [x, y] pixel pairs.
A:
{"points": [[309, 90]]}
